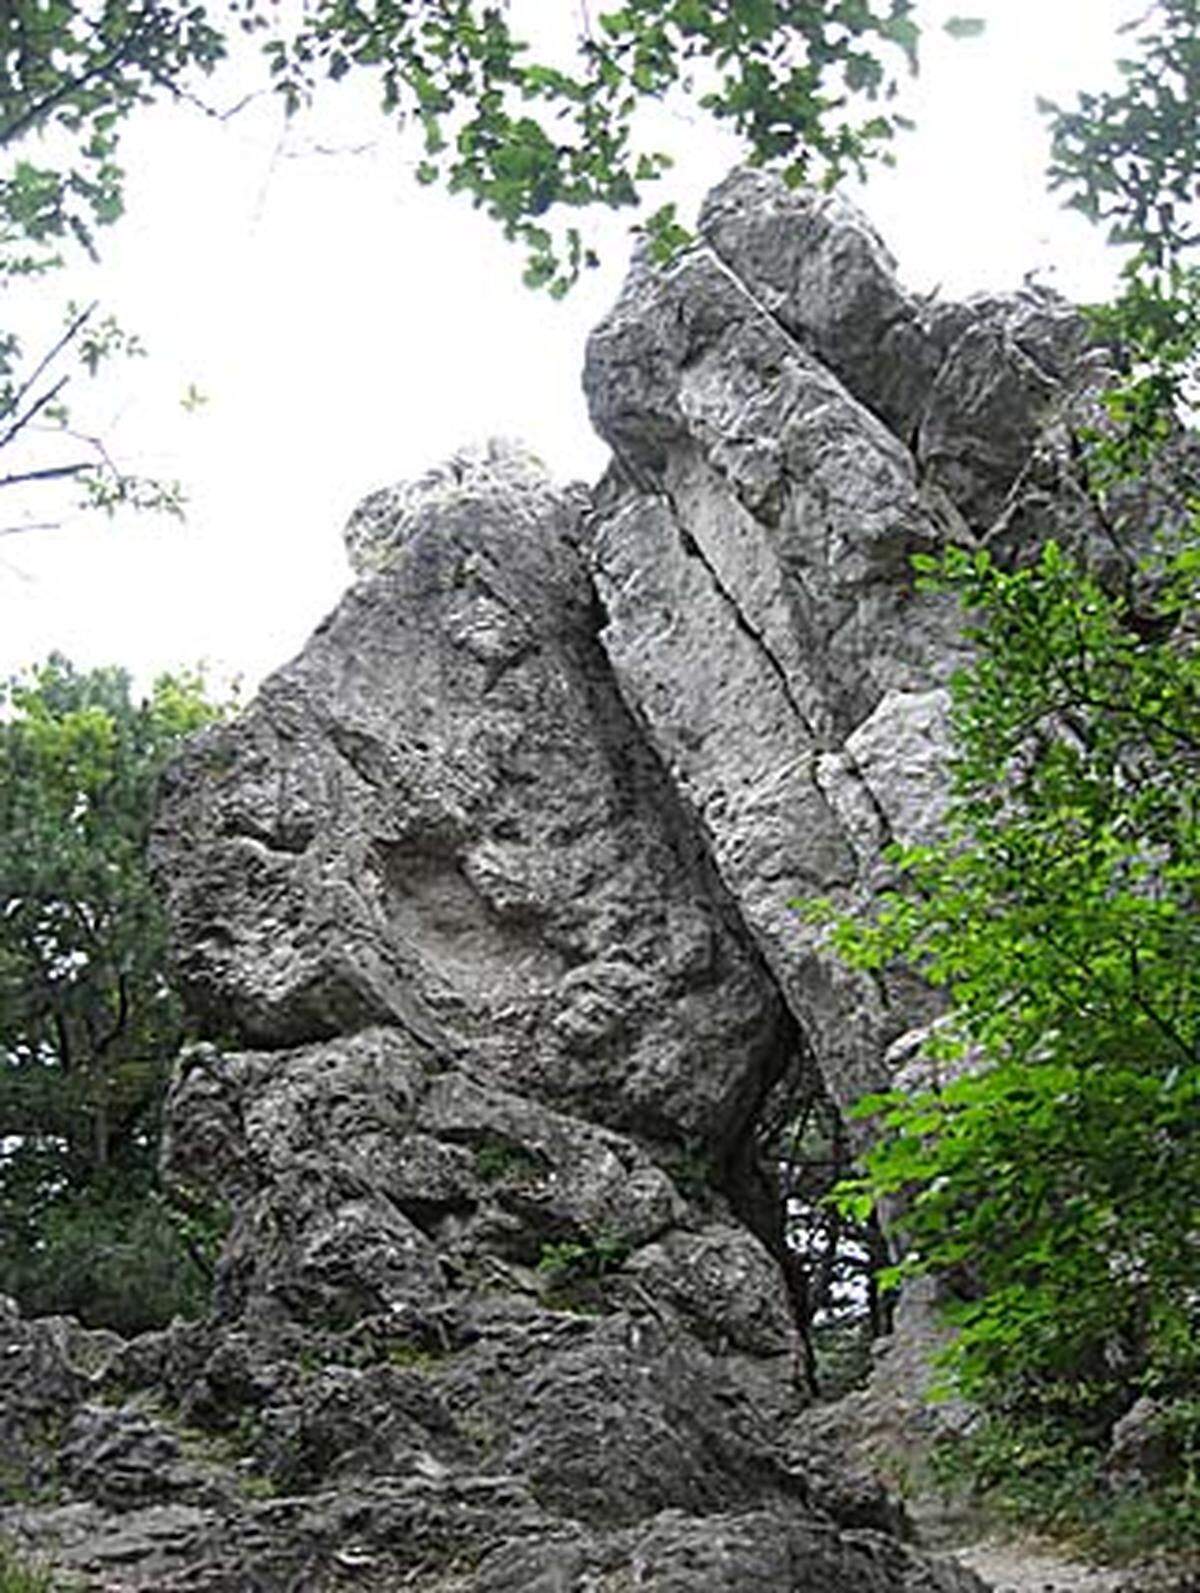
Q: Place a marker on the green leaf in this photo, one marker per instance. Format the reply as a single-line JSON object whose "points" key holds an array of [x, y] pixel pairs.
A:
{"points": [[964, 27]]}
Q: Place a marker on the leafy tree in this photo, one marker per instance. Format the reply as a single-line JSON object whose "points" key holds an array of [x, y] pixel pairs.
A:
{"points": [[523, 136], [1049, 1174], [517, 134], [70, 74], [1053, 1169], [88, 1022], [1129, 157]]}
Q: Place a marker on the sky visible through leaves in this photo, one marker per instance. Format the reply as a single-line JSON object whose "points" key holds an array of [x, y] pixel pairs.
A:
{"points": [[318, 326]]}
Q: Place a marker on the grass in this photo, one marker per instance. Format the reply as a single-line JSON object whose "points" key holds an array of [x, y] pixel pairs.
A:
{"points": [[18, 1574]]}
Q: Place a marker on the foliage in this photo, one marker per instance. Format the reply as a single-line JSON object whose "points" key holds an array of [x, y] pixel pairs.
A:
{"points": [[522, 136], [519, 133], [592, 1258], [77, 70], [528, 138], [36, 424], [1049, 1172], [1041, 1473], [1052, 1166], [1129, 157], [71, 73], [111, 1259], [20, 1575], [575, 1271], [88, 1023], [498, 1160]]}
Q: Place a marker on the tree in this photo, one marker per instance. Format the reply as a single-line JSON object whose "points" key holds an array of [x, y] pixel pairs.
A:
{"points": [[520, 136], [809, 85], [1053, 1167], [1049, 1175], [1129, 157], [70, 74], [524, 138], [88, 1023]]}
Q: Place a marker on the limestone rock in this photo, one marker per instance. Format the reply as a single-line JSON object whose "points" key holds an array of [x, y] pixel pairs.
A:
{"points": [[790, 426], [752, 559], [441, 817], [482, 909], [500, 478]]}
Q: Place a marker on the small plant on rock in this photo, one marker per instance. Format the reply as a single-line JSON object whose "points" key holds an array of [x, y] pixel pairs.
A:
{"points": [[571, 1260], [18, 1574]]}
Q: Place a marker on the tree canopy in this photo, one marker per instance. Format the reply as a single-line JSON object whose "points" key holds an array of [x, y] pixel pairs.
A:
{"points": [[531, 134], [808, 85]]}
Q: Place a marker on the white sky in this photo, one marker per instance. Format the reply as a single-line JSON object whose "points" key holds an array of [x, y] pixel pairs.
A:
{"points": [[350, 329]]}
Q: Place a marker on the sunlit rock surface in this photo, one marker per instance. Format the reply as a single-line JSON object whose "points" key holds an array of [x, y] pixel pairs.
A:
{"points": [[483, 907]]}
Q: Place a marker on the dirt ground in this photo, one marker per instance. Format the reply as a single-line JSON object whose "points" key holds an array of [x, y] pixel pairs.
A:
{"points": [[1025, 1566]]}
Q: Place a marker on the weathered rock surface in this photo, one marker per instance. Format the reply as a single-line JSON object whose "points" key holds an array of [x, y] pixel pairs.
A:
{"points": [[442, 818], [483, 905], [789, 426]]}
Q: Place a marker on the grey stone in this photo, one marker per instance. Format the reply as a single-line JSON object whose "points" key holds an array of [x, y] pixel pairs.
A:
{"points": [[816, 263], [1143, 1445], [501, 477], [752, 559], [483, 908], [441, 817]]}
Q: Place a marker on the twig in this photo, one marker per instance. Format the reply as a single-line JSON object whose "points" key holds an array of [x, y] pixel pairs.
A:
{"points": [[39, 404], [50, 473], [32, 525], [72, 331], [188, 97]]}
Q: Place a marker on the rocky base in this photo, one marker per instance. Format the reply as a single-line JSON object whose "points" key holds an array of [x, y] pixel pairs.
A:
{"points": [[507, 1447]]}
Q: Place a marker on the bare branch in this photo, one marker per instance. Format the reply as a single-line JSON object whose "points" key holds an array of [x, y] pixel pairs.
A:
{"points": [[49, 473], [34, 409], [73, 330], [187, 97], [31, 525]]}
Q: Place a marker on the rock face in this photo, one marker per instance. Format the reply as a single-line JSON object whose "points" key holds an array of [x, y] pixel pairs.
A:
{"points": [[790, 426], [484, 906]]}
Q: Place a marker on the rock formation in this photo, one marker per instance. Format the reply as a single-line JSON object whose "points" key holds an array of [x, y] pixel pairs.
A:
{"points": [[484, 906]]}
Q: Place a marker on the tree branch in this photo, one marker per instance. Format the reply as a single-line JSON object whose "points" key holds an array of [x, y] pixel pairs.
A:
{"points": [[12, 131], [34, 409], [47, 359], [33, 525], [49, 473], [121, 1019]]}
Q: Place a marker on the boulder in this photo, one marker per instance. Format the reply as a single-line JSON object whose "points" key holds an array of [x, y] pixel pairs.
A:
{"points": [[789, 426], [483, 913]]}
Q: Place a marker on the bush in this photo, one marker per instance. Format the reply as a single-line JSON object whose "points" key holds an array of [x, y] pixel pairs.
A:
{"points": [[1047, 1474], [114, 1263]]}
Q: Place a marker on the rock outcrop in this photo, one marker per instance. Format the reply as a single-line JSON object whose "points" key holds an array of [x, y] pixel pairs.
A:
{"points": [[484, 906]]}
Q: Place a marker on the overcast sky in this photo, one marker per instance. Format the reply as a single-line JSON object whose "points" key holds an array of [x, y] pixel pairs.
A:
{"points": [[350, 329]]}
